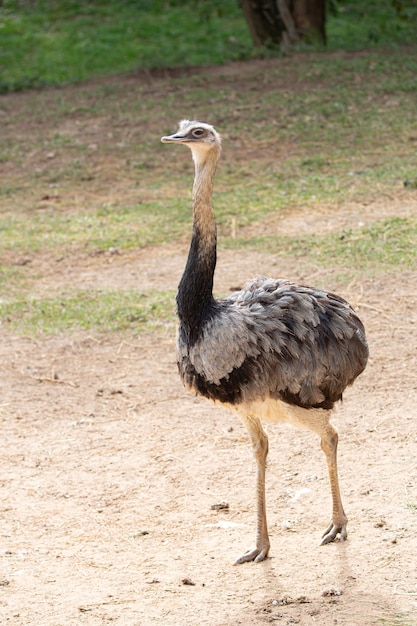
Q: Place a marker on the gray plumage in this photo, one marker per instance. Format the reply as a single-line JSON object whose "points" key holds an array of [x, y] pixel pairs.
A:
{"points": [[274, 350], [302, 341]]}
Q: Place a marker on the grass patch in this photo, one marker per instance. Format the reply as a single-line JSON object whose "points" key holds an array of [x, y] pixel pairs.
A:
{"points": [[383, 245], [398, 619], [50, 43], [12, 280], [356, 24], [102, 311], [84, 170], [88, 171], [109, 226], [46, 42]]}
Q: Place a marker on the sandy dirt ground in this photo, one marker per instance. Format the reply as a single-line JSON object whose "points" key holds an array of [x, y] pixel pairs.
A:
{"points": [[111, 474]]}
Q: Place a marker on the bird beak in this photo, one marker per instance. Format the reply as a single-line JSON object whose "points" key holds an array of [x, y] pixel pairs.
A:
{"points": [[175, 138]]}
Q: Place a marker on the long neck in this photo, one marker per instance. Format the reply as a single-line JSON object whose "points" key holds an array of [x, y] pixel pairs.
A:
{"points": [[195, 291]]}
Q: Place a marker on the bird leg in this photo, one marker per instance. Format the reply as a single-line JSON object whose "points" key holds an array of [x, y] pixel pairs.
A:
{"points": [[339, 520], [260, 449]]}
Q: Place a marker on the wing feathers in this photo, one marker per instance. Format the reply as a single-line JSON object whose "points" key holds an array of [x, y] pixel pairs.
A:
{"points": [[275, 339]]}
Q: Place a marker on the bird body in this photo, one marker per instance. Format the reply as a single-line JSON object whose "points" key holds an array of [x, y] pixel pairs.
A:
{"points": [[273, 351], [274, 339]]}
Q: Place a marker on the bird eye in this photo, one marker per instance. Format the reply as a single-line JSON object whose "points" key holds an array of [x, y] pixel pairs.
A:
{"points": [[198, 132]]}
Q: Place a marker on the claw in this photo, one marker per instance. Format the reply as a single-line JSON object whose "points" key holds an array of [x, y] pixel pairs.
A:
{"points": [[332, 531], [257, 555]]}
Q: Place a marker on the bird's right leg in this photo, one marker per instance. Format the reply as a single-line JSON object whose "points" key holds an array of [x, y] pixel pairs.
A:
{"points": [[260, 449], [339, 520], [317, 421]]}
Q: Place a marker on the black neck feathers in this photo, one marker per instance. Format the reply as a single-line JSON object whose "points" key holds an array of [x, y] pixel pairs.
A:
{"points": [[195, 291]]}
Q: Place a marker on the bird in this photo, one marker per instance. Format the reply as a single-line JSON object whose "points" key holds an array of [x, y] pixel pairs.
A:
{"points": [[273, 351]]}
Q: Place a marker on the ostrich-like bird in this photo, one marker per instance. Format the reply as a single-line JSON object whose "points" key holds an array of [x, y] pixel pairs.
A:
{"points": [[275, 351]]}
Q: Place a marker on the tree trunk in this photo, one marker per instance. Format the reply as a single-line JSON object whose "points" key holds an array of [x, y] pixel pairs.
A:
{"points": [[284, 22]]}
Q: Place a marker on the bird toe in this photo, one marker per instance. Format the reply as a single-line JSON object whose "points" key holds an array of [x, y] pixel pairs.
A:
{"points": [[257, 555], [332, 532]]}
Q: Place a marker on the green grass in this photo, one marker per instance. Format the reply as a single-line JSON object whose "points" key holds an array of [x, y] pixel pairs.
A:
{"points": [[50, 43], [382, 246], [109, 226], [355, 25], [12, 280], [399, 619], [347, 127], [102, 311], [83, 171]]}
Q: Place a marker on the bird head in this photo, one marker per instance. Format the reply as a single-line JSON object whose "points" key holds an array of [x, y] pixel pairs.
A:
{"points": [[200, 137]]}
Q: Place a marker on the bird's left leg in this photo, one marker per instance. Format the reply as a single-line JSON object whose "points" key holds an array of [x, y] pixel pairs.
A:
{"points": [[329, 439], [259, 440]]}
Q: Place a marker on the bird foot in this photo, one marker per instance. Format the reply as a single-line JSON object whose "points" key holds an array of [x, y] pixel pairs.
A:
{"points": [[257, 555], [332, 531]]}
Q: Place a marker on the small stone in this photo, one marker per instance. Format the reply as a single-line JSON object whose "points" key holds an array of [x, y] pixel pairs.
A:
{"points": [[332, 593], [221, 506]]}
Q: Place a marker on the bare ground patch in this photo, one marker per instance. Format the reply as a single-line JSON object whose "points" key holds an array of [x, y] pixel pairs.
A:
{"points": [[109, 471]]}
